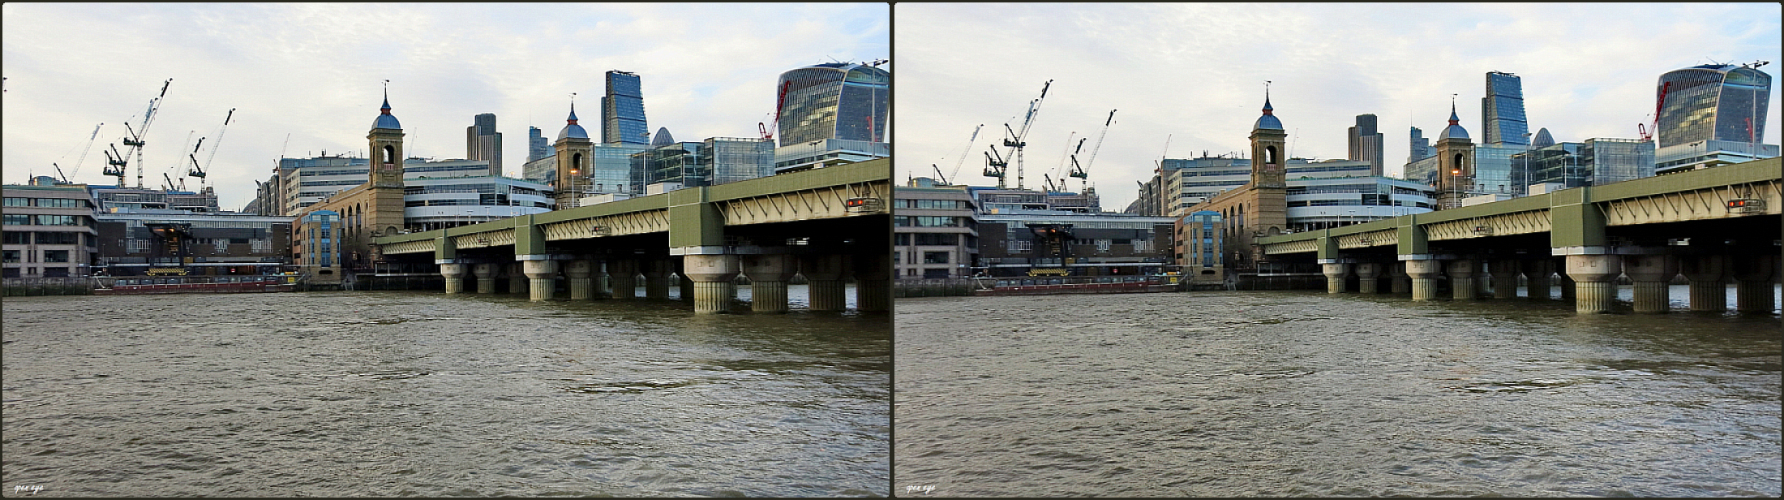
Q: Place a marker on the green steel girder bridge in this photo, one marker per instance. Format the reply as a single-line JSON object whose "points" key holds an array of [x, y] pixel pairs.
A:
{"points": [[1710, 225], [826, 224]]}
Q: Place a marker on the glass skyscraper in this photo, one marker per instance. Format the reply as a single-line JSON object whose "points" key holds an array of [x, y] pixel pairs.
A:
{"points": [[833, 101], [1712, 102], [537, 147], [622, 110], [1502, 110]]}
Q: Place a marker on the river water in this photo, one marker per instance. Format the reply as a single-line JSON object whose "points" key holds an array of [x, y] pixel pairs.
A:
{"points": [[1300, 393], [423, 394]]}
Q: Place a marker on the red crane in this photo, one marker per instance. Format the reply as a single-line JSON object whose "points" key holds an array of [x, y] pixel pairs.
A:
{"points": [[1647, 134], [767, 129]]}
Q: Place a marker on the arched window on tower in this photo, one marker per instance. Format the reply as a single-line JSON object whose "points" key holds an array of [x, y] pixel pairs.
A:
{"points": [[1270, 155], [389, 157]]}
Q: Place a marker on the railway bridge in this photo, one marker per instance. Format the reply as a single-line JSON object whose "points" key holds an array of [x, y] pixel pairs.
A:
{"points": [[827, 224], [1710, 225]]}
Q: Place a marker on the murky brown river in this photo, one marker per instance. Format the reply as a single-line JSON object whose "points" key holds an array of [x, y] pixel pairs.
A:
{"points": [[1304, 394], [424, 394]]}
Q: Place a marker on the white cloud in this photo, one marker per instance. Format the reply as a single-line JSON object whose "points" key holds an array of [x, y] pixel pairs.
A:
{"points": [[314, 72], [1195, 73]]}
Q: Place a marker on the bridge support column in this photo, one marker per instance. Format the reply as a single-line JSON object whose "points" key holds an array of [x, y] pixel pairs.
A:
{"points": [[1335, 274], [1505, 277], [768, 274], [542, 272], [1594, 278], [711, 276], [1753, 282], [486, 277], [623, 273], [1367, 274], [656, 279], [824, 275], [1462, 273], [1536, 278], [455, 277], [1398, 281], [1651, 272], [685, 283], [517, 278], [873, 282], [1567, 282], [1706, 272], [581, 285], [1424, 275]]}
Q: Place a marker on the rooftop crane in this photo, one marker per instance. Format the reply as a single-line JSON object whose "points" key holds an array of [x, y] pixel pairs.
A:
{"points": [[996, 166], [199, 172], [1647, 134], [1079, 171], [83, 159], [135, 140], [1017, 140], [1060, 169], [780, 100], [963, 152]]}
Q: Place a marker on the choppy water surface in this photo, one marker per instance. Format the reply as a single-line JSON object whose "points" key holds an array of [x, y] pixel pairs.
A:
{"points": [[420, 393], [1305, 394]]}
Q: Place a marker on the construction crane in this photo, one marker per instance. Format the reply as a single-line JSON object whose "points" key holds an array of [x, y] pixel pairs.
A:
{"points": [[118, 166], [1018, 140], [996, 166], [199, 172], [962, 159], [780, 99], [1647, 134], [83, 159], [1078, 171], [1060, 169]]}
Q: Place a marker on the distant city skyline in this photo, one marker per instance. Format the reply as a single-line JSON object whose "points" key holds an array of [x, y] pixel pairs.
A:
{"points": [[1194, 74], [316, 72]]}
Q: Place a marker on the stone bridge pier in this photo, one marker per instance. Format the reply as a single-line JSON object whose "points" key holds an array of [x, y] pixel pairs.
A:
{"points": [[768, 274], [1367, 274], [1505, 274], [1594, 277], [623, 273], [486, 277], [1335, 273], [824, 275], [1753, 275], [455, 276], [711, 276], [1651, 273]]}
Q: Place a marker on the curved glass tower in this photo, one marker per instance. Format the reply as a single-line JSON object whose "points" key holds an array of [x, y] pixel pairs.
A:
{"points": [[1717, 102], [833, 101]]}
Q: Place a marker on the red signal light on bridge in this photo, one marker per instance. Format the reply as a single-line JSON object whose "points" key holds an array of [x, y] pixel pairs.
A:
{"points": [[864, 205], [1743, 205]]}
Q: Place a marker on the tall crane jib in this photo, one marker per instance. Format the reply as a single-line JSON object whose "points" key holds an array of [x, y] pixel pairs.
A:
{"points": [[118, 166], [1018, 140], [198, 171], [962, 160], [1079, 171]]}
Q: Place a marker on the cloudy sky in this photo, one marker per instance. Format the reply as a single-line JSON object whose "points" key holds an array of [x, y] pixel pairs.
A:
{"points": [[1194, 73], [314, 72]]}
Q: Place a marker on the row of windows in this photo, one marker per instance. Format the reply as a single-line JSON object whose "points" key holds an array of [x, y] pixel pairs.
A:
{"points": [[46, 220], [48, 238], [48, 202], [933, 204], [928, 221], [14, 256]]}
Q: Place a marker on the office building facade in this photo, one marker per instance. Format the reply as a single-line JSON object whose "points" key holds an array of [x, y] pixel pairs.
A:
{"points": [[939, 237], [833, 101], [1419, 147], [622, 110], [483, 142], [1365, 143], [49, 231], [1502, 110], [1710, 115], [537, 146]]}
